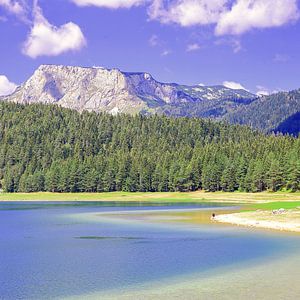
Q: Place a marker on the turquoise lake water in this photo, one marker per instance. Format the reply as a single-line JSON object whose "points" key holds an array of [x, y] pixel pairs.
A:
{"points": [[56, 250]]}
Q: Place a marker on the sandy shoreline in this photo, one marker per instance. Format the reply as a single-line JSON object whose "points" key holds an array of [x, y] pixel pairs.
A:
{"points": [[197, 196], [289, 220]]}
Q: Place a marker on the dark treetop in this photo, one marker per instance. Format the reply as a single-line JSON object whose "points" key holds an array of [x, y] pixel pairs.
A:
{"points": [[49, 148]]}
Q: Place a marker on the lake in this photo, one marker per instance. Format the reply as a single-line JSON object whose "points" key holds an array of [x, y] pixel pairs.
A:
{"points": [[135, 250]]}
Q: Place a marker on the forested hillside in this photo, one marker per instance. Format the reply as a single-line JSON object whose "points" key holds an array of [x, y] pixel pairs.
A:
{"points": [[49, 148], [277, 112], [113, 91]]}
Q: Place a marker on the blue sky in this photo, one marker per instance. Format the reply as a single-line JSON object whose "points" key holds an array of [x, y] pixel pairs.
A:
{"points": [[253, 43]]}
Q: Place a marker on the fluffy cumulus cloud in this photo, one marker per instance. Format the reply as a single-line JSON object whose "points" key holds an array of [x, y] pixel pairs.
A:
{"points": [[109, 3], [250, 14], [14, 7], [6, 87], [187, 12], [46, 39], [229, 17], [234, 85], [17, 8]]}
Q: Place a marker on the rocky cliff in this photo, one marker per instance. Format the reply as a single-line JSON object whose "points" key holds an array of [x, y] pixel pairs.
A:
{"points": [[113, 91]]}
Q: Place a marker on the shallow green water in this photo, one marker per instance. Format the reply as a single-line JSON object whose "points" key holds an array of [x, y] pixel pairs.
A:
{"points": [[58, 250]]}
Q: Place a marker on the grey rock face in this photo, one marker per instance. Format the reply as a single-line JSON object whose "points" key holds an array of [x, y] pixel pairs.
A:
{"points": [[113, 91]]}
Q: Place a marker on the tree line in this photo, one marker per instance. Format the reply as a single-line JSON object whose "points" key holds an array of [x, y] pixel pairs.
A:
{"points": [[276, 112], [49, 148]]}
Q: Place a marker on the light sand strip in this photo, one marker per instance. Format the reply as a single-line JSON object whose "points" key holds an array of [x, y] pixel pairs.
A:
{"points": [[289, 220]]}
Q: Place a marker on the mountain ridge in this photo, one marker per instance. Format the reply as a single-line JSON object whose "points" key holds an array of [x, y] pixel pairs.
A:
{"points": [[114, 91], [111, 90]]}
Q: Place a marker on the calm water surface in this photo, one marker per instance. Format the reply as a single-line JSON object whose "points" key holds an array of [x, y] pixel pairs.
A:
{"points": [[57, 250]]}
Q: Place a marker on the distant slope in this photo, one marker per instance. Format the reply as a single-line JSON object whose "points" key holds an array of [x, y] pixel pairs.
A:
{"points": [[291, 125], [271, 113], [114, 91]]}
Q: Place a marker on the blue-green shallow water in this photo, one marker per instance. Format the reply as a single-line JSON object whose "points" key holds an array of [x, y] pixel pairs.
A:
{"points": [[46, 253]]}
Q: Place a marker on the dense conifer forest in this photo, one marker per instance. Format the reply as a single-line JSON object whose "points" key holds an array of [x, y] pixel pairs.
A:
{"points": [[49, 148], [276, 112]]}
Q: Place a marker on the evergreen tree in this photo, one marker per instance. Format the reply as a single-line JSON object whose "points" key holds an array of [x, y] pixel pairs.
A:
{"points": [[50, 148], [294, 176], [228, 179], [258, 177], [275, 176]]}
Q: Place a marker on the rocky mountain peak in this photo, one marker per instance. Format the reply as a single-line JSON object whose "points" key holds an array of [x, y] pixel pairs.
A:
{"points": [[113, 91]]}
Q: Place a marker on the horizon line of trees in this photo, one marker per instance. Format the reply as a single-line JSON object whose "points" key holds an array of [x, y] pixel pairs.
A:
{"points": [[50, 148]]}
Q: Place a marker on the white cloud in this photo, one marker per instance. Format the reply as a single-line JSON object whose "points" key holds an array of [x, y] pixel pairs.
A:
{"points": [[262, 93], [17, 8], [249, 14], [233, 43], [234, 85], [166, 52], [6, 87], [109, 3], [236, 46], [49, 40], [154, 40], [193, 47], [230, 17], [187, 12], [14, 7]]}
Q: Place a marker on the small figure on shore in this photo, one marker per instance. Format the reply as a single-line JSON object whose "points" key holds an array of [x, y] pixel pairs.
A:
{"points": [[213, 216], [278, 211]]}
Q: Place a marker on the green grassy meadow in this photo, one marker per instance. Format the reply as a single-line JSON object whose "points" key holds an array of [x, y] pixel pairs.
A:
{"points": [[265, 200]]}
